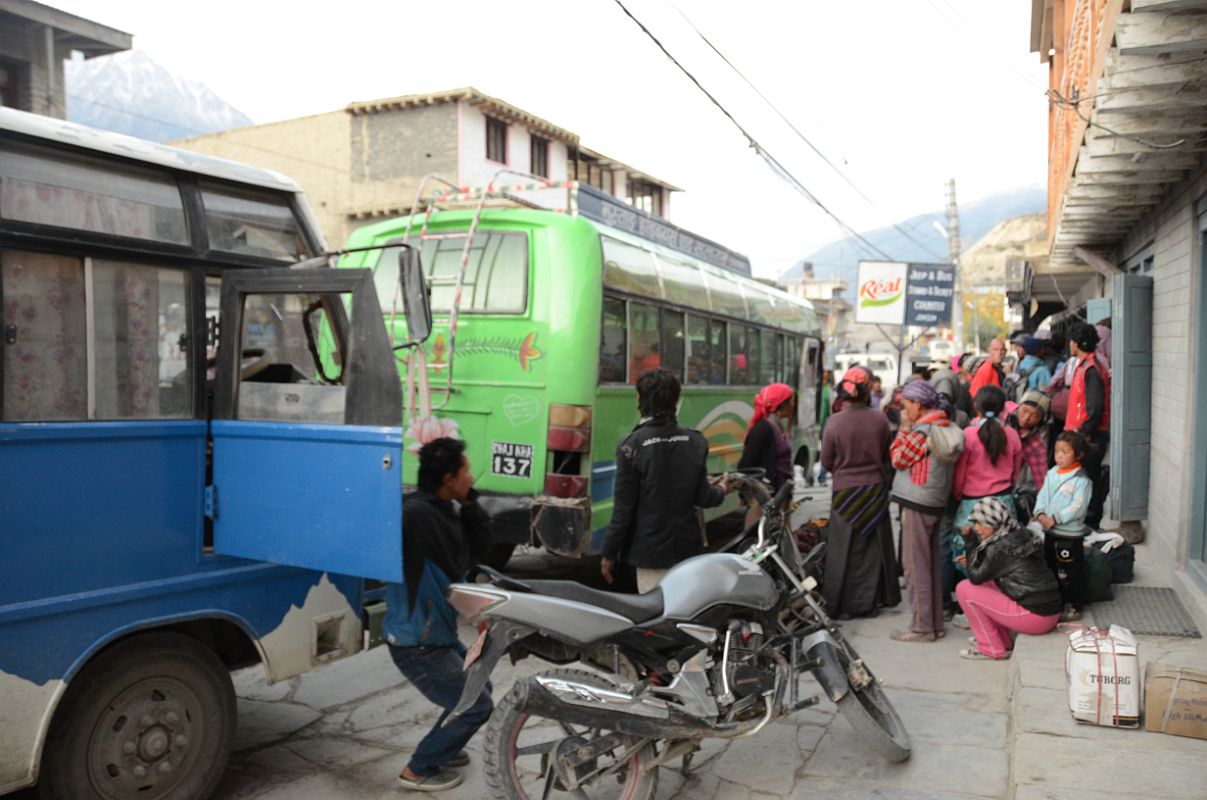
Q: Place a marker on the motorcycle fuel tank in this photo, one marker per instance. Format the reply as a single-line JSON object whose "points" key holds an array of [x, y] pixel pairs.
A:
{"points": [[699, 583]]}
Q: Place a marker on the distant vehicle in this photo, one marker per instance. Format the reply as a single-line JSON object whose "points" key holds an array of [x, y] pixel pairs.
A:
{"points": [[189, 485], [882, 365], [941, 350]]}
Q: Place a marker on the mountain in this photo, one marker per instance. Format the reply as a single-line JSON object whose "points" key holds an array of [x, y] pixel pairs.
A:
{"points": [[129, 93], [841, 258]]}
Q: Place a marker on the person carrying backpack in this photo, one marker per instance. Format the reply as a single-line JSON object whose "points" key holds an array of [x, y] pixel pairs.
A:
{"points": [[1030, 373]]}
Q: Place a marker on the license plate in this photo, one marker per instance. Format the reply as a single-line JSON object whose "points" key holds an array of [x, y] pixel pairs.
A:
{"points": [[475, 650]]}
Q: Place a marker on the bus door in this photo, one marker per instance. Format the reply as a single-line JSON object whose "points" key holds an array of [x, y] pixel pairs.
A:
{"points": [[306, 432]]}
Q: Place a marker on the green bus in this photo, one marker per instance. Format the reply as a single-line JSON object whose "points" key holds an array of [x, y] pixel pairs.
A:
{"points": [[533, 363]]}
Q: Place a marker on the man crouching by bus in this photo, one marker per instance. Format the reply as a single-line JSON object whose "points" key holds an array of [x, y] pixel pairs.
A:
{"points": [[439, 544], [661, 477]]}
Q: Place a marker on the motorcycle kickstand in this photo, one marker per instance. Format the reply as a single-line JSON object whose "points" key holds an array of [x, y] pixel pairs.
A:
{"points": [[686, 769]]}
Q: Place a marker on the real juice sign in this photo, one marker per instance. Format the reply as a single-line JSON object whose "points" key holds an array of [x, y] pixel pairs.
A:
{"points": [[881, 295]]}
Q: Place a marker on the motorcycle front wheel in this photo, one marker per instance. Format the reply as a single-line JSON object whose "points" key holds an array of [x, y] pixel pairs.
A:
{"points": [[868, 710], [520, 750]]}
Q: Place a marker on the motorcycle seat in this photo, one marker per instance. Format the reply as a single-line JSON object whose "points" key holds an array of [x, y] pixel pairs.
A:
{"points": [[637, 607]]}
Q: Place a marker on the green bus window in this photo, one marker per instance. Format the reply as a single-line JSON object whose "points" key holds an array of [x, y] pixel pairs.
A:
{"points": [[141, 365], [717, 360], [726, 297], [45, 355], [683, 283], [87, 194], [612, 342], [496, 273], [754, 356], [739, 360], [643, 333], [698, 354], [792, 363], [251, 223], [672, 341], [770, 367], [781, 361], [759, 306], [629, 269]]}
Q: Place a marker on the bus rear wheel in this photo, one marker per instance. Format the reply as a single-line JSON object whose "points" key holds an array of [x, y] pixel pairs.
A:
{"points": [[153, 717]]}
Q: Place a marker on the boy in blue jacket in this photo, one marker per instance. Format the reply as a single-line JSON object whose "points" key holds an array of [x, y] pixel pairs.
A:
{"points": [[439, 544], [1060, 509]]}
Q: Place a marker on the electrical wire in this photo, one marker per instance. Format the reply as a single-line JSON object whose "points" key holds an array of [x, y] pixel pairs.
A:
{"points": [[1055, 98], [771, 161], [971, 29], [801, 136]]}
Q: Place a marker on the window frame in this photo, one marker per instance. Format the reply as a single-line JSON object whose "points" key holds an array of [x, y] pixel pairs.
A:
{"points": [[496, 127], [538, 146]]}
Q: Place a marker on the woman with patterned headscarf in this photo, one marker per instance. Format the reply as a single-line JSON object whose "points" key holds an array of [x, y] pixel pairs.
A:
{"points": [[1009, 586], [861, 568]]}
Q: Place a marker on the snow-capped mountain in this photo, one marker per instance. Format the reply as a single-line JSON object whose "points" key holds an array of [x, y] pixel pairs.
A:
{"points": [[129, 93]]}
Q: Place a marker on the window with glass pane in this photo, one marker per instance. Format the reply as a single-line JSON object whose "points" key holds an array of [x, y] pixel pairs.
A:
{"points": [[770, 370], [717, 332], [781, 371], [45, 349], [792, 362], [251, 223], [726, 297], [758, 303], [140, 342], [683, 283], [739, 358], [754, 356], [539, 156], [496, 273], [629, 269], [644, 340], [698, 352], [672, 342], [291, 358], [67, 191], [612, 357]]}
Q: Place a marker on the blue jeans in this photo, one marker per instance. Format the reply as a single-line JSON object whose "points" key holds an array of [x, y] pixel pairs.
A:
{"points": [[437, 673]]}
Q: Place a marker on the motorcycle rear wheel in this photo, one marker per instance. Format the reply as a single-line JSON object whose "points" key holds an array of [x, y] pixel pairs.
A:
{"points": [[509, 780], [870, 713]]}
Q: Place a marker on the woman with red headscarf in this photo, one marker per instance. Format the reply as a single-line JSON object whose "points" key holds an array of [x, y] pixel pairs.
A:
{"points": [[861, 567], [767, 444]]}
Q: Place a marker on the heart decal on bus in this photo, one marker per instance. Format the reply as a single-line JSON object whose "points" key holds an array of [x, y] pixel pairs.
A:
{"points": [[520, 409]]}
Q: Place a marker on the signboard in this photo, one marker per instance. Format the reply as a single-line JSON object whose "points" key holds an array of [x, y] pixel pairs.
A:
{"points": [[929, 289], [881, 296]]}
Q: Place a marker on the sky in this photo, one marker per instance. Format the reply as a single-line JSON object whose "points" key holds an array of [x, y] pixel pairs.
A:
{"points": [[899, 95]]}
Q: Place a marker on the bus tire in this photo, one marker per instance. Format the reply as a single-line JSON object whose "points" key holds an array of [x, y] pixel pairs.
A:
{"points": [[499, 554], [151, 717]]}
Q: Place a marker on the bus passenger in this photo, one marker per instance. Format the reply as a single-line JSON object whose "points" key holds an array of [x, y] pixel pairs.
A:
{"points": [[661, 477], [439, 545]]}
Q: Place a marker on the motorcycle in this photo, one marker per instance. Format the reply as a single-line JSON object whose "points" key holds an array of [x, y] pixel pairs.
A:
{"points": [[715, 651]]}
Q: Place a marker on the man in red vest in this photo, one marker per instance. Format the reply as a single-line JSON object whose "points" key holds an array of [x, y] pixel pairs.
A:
{"points": [[1090, 410], [990, 373]]}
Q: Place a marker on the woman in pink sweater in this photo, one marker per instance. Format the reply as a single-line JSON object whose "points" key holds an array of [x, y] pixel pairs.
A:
{"points": [[989, 465]]}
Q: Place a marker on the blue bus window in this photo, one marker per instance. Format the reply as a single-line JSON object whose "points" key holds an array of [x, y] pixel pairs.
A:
{"points": [[251, 223], [45, 358]]}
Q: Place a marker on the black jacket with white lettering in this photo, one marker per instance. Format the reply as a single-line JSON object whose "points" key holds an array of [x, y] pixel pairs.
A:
{"points": [[661, 477]]}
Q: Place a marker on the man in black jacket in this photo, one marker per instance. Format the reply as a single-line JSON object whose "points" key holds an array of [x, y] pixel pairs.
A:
{"points": [[661, 477]]}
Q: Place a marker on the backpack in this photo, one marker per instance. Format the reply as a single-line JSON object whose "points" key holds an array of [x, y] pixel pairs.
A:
{"points": [[1015, 385], [946, 442]]}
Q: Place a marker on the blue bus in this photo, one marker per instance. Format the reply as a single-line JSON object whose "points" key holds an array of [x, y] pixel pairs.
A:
{"points": [[200, 456]]}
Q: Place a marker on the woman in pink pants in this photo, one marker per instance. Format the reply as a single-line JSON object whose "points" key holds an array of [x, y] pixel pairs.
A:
{"points": [[1009, 586]]}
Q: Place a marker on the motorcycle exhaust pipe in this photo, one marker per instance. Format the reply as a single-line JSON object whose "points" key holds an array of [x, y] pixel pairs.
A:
{"points": [[590, 706]]}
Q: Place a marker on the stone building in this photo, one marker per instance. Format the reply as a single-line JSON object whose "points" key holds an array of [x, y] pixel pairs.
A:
{"points": [[34, 41], [365, 162]]}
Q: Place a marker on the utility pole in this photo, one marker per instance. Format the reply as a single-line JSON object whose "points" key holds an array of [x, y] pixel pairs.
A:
{"points": [[953, 250]]}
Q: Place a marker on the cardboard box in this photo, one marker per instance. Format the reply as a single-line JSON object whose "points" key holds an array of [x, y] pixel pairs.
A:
{"points": [[1102, 673], [1175, 700]]}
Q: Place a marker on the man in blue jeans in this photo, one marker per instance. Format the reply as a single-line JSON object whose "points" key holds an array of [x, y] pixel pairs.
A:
{"points": [[440, 543]]}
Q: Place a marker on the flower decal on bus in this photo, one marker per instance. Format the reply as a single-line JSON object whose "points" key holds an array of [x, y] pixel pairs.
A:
{"points": [[422, 430], [523, 350], [439, 348]]}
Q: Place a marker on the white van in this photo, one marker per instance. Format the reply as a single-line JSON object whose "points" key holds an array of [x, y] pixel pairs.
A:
{"points": [[882, 365]]}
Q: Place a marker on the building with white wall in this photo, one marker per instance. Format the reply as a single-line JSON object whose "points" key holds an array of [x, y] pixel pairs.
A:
{"points": [[365, 162]]}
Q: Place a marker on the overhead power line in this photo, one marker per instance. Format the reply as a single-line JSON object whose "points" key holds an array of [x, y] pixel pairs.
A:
{"points": [[775, 165], [925, 247]]}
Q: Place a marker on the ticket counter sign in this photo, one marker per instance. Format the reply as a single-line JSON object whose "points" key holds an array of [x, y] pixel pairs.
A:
{"points": [[881, 296]]}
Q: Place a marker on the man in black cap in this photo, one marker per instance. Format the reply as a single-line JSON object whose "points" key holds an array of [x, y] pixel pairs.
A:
{"points": [[1089, 410]]}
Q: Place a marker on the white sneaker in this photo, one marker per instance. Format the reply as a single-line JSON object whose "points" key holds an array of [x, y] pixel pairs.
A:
{"points": [[961, 621]]}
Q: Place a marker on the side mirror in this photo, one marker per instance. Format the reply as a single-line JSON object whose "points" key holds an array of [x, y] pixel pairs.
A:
{"points": [[415, 303]]}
